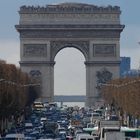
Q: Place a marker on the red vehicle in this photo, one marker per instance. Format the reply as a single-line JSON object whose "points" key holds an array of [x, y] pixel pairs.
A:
{"points": [[69, 138]]}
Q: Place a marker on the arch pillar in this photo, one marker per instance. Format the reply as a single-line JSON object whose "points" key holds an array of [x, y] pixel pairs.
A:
{"points": [[48, 82], [90, 85], [45, 77]]}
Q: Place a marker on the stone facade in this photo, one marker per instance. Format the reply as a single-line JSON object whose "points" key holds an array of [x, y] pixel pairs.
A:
{"points": [[93, 30]]}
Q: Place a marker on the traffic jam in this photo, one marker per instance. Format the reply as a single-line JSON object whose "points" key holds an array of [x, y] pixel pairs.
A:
{"points": [[47, 121]]}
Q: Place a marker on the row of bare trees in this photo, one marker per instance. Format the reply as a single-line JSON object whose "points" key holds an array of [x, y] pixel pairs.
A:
{"points": [[15, 94], [124, 94]]}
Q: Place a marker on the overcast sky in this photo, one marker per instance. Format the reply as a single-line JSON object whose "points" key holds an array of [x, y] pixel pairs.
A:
{"points": [[69, 71]]}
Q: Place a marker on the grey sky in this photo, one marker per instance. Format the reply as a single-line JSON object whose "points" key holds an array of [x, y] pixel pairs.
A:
{"points": [[67, 79]]}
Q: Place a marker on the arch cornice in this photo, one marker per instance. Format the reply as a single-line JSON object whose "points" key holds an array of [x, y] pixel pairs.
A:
{"points": [[56, 46], [30, 63]]}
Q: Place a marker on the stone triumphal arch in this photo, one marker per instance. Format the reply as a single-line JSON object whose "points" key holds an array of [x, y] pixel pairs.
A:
{"points": [[93, 30]]}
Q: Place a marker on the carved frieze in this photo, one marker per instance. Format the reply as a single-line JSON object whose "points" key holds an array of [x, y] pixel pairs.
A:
{"points": [[35, 76], [70, 33], [83, 46], [35, 73], [51, 16], [39, 50], [103, 76], [104, 50]]}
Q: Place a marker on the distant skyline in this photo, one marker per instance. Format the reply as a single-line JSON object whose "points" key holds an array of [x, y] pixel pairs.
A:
{"points": [[129, 47]]}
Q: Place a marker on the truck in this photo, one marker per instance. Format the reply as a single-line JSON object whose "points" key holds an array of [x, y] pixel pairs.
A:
{"points": [[110, 130], [114, 136]]}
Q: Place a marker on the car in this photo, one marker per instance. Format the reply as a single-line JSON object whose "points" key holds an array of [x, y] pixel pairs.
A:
{"points": [[28, 127], [69, 138], [14, 136], [113, 117], [43, 120]]}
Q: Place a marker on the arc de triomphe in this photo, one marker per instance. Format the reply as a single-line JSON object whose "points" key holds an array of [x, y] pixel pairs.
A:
{"points": [[93, 30]]}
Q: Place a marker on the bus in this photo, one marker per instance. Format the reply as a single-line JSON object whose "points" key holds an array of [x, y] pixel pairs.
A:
{"points": [[131, 132], [91, 131]]}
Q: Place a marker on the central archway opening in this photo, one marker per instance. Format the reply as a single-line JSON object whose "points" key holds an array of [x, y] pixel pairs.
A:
{"points": [[70, 75]]}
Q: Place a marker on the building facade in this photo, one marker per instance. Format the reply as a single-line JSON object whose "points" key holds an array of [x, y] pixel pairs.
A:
{"points": [[124, 65]]}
